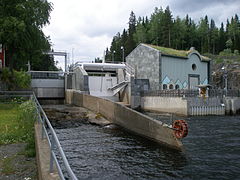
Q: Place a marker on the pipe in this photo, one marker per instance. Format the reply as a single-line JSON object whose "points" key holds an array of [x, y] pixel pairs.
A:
{"points": [[101, 65]]}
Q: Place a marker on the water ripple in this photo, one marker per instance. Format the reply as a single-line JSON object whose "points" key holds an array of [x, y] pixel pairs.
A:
{"points": [[212, 152]]}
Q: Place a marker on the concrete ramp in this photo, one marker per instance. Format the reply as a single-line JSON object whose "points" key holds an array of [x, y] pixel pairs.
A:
{"points": [[126, 117]]}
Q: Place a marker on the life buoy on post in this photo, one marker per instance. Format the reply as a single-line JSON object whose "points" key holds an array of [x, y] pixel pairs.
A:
{"points": [[203, 91], [180, 128]]}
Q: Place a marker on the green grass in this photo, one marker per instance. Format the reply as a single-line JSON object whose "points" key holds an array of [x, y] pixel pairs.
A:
{"points": [[174, 52], [10, 127], [17, 125], [170, 51]]}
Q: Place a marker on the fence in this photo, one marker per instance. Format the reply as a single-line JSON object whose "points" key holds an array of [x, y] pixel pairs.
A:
{"points": [[223, 92], [191, 93], [171, 93], [46, 74], [14, 96]]}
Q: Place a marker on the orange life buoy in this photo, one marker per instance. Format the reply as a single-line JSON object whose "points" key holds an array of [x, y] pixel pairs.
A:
{"points": [[180, 128]]}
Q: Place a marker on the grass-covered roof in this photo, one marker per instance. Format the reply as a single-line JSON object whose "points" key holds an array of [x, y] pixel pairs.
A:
{"points": [[174, 52]]}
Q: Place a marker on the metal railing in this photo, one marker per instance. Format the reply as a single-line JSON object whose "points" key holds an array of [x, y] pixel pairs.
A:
{"points": [[223, 92], [46, 74], [14, 96], [53, 142], [192, 93], [171, 93], [130, 69]]}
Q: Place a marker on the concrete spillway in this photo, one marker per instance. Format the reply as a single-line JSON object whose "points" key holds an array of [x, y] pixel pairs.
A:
{"points": [[126, 117]]}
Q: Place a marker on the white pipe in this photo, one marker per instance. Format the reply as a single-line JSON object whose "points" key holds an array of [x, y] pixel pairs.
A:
{"points": [[102, 65]]}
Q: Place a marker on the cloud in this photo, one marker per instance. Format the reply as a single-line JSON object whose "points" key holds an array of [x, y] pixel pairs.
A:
{"points": [[218, 10], [191, 6], [86, 27]]}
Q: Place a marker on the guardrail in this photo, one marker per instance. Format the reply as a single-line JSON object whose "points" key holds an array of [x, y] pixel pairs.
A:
{"points": [[130, 69], [53, 142]]}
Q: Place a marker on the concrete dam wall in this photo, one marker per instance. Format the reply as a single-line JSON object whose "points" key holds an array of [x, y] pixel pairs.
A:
{"points": [[195, 106], [126, 117]]}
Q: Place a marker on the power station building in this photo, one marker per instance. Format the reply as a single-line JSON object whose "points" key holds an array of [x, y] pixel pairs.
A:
{"points": [[167, 68]]}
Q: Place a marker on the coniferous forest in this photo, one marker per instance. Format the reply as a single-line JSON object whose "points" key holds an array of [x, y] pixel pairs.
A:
{"points": [[162, 29]]}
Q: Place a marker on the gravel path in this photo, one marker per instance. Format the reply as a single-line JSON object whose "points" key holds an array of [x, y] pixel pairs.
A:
{"points": [[14, 165]]}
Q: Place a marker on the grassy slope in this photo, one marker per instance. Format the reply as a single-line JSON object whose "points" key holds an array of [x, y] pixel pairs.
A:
{"points": [[17, 125], [9, 123]]}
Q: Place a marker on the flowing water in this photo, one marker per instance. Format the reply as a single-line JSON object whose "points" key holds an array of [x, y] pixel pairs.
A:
{"points": [[212, 151]]}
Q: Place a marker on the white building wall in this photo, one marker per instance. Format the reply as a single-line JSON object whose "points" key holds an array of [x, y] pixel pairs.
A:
{"points": [[98, 85]]}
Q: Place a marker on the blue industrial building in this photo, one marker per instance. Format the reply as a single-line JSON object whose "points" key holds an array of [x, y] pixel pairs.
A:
{"points": [[167, 68]]}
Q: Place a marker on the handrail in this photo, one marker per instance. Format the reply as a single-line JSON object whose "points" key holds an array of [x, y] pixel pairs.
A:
{"points": [[52, 72], [53, 141], [16, 92], [130, 69]]}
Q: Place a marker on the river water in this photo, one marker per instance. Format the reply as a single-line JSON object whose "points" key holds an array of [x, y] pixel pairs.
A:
{"points": [[212, 151]]}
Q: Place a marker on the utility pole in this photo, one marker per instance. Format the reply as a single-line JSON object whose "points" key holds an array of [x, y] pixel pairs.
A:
{"points": [[72, 56], [113, 55], [122, 48], [225, 78]]}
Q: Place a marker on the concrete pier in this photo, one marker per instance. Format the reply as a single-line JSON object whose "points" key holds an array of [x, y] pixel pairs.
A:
{"points": [[232, 105]]}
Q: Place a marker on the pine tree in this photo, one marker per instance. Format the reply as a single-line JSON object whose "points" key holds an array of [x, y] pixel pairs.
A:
{"points": [[130, 44], [203, 31], [213, 36], [167, 27], [140, 36], [156, 27], [233, 32], [221, 39], [116, 48], [179, 33]]}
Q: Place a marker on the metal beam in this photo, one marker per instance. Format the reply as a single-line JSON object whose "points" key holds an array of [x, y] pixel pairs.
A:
{"points": [[58, 54]]}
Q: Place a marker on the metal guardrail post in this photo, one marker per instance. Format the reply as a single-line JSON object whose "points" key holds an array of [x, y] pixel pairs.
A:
{"points": [[43, 122], [51, 154]]}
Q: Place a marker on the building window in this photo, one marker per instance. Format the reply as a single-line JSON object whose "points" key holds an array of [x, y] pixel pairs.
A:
{"points": [[194, 67], [177, 86], [170, 86], [164, 86]]}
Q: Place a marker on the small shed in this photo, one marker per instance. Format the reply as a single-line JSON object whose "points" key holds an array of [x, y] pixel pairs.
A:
{"points": [[167, 68]]}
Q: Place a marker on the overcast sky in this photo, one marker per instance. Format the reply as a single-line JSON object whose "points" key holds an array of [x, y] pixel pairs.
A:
{"points": [[84, 28]]}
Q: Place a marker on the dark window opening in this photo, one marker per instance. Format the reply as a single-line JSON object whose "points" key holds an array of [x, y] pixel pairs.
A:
{"points": [[194, 67], [164, 86]]}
